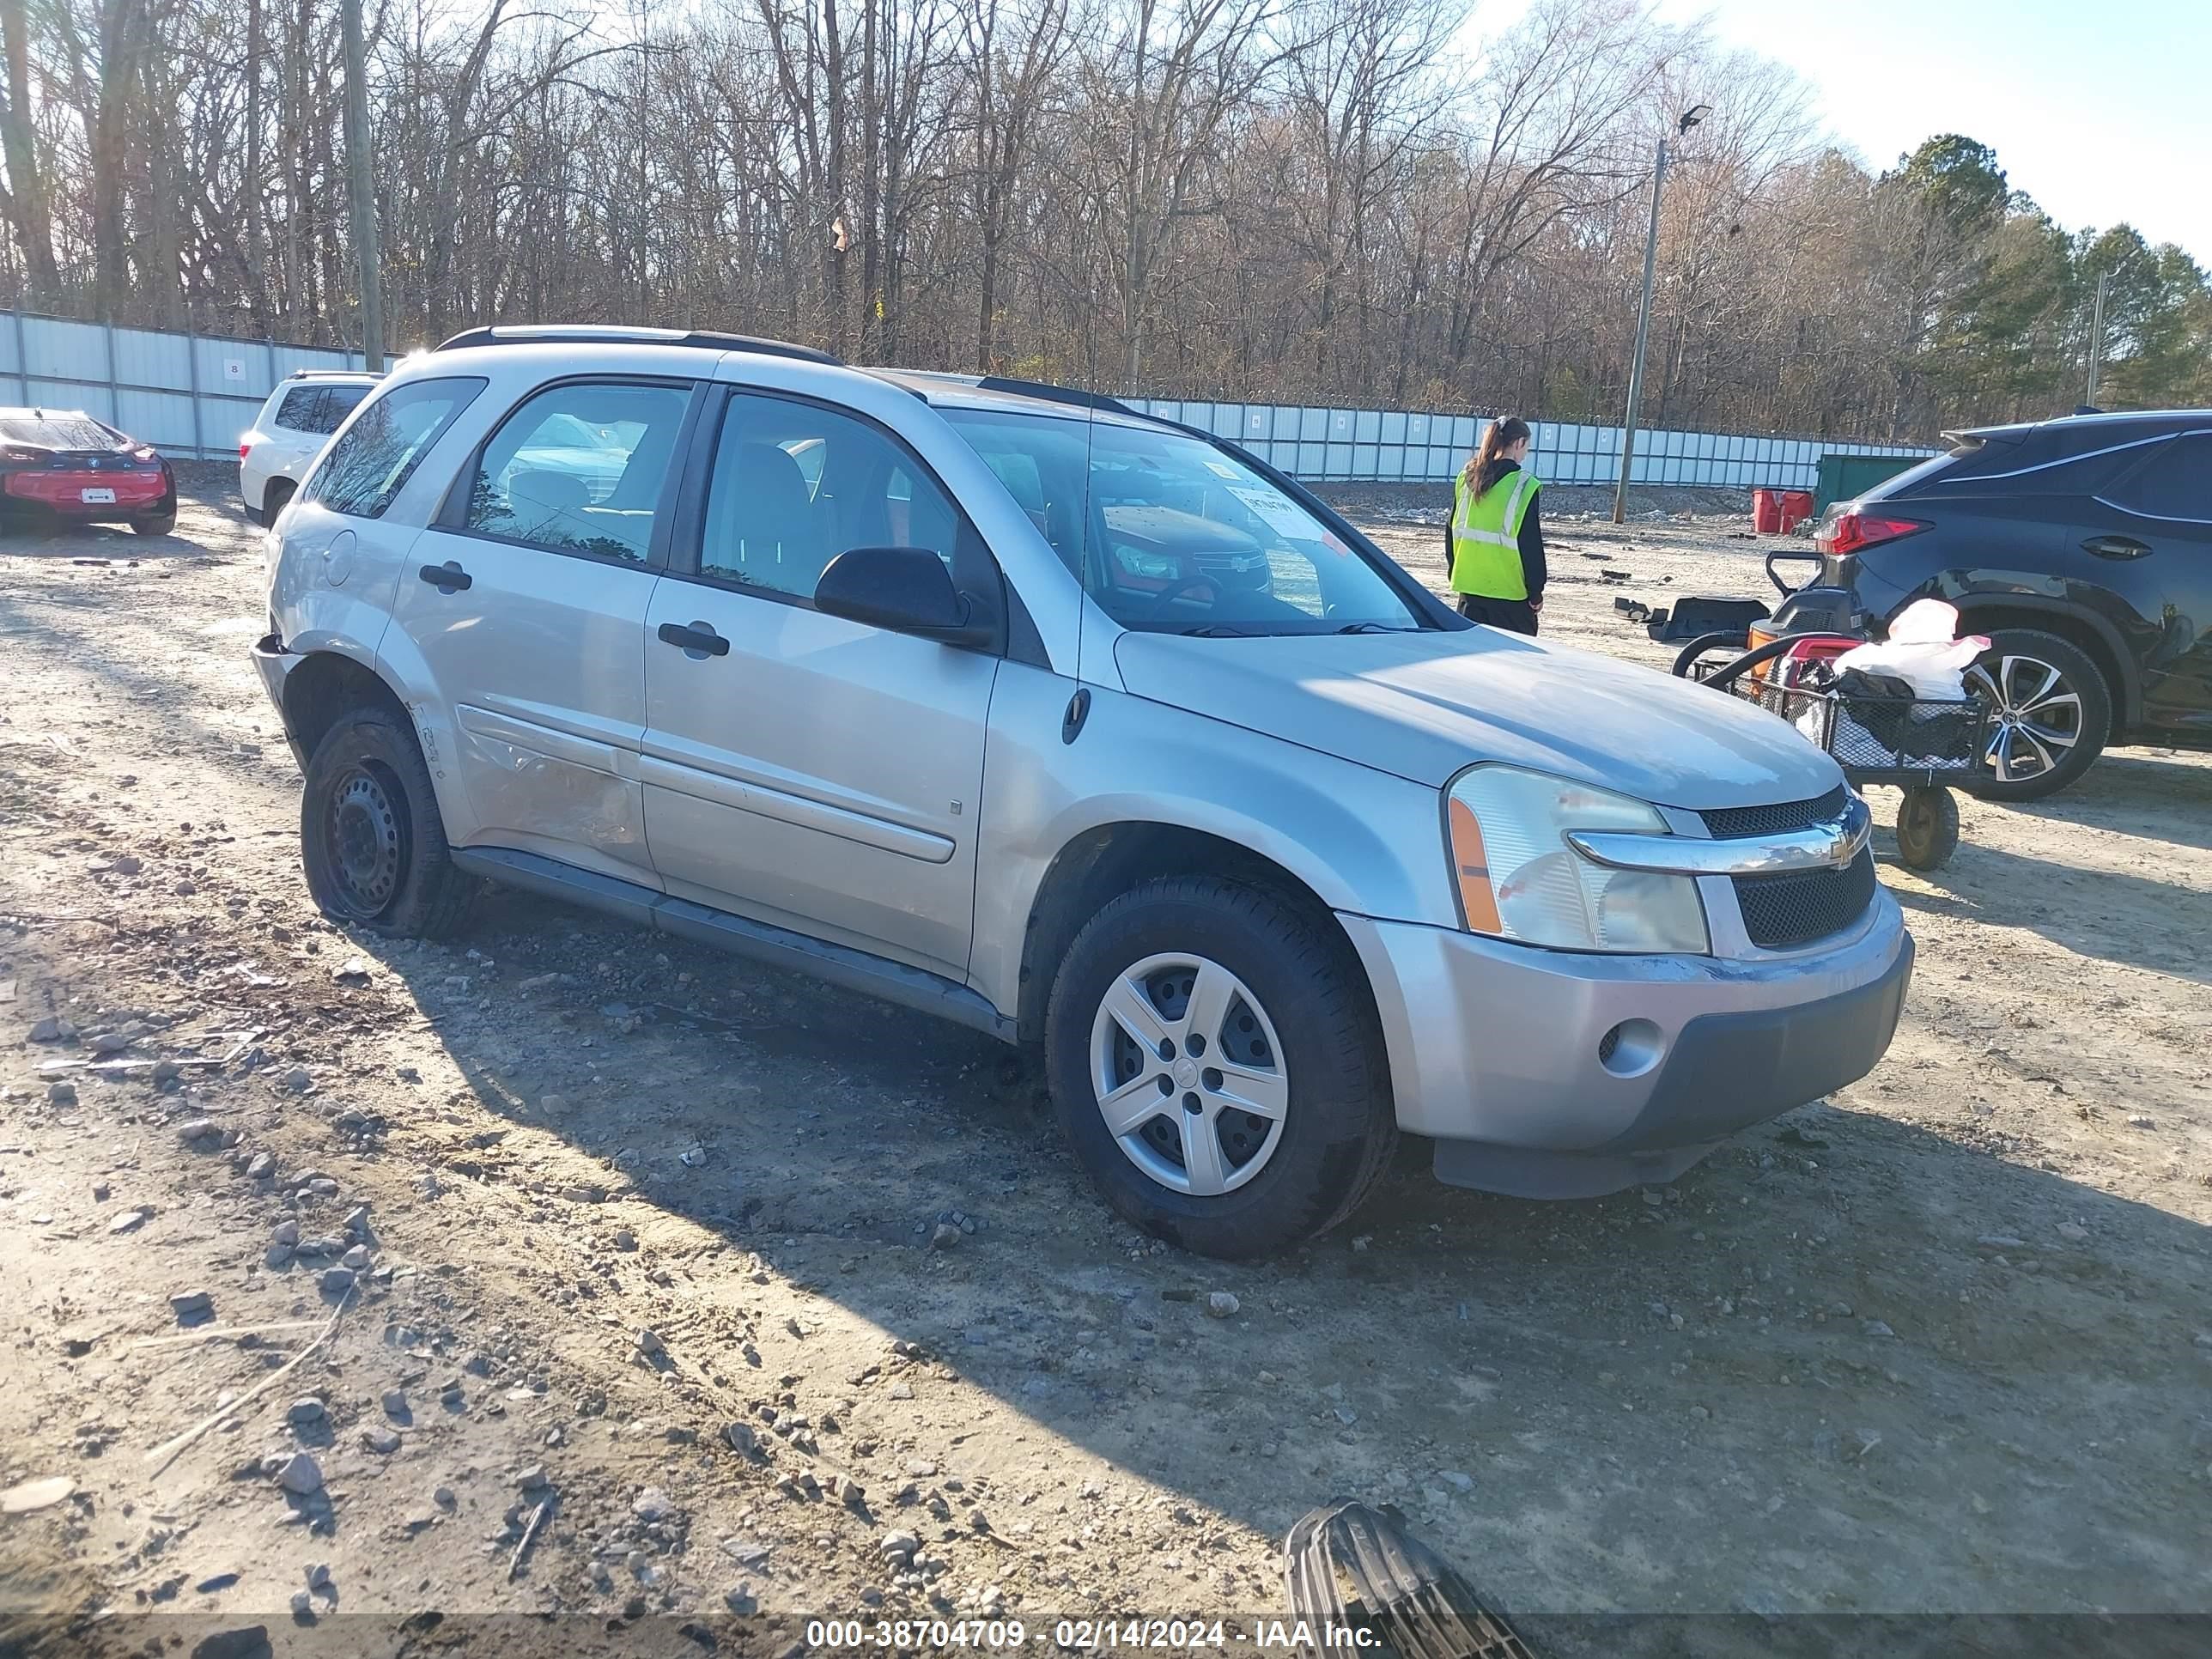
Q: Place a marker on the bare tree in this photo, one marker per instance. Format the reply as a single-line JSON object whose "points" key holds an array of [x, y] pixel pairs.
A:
{"points": [[1287, 200]]}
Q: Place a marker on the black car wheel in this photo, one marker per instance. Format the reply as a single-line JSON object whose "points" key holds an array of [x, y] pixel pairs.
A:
{"points": [[371, 839], [155, 524], [2051, 713]]}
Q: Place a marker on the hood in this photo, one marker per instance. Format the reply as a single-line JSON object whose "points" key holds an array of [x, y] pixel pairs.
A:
{"points": [[1423, 705]]}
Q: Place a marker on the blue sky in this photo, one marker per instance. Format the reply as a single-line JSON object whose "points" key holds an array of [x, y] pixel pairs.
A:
{"points": [[2101, 110]]}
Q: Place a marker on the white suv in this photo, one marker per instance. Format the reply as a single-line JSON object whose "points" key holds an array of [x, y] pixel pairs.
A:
{"points": [[274, 454], [1078, 727]]}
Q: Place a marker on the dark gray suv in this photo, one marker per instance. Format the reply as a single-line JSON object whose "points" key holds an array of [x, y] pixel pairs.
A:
{"points": [[2082, 547]]}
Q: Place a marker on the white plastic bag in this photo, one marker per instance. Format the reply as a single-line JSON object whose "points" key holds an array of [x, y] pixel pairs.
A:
{"points": [[1922, 650]]}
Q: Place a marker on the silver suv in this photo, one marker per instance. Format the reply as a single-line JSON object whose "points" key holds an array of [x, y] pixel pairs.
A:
{"points": [[1079, 727]]}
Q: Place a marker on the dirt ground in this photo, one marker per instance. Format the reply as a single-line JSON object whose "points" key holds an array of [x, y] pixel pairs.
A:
{"points": [[1941, 1344]]}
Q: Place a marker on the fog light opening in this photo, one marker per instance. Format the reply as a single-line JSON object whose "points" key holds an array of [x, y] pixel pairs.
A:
{"points": [[1631, 1049]]}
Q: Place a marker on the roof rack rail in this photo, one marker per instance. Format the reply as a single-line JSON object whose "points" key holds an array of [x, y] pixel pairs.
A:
{"points": [[598, 333], [1057, 394]]}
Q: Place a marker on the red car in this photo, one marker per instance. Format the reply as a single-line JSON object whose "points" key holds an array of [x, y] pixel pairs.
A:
{"points": [[61, 467]]}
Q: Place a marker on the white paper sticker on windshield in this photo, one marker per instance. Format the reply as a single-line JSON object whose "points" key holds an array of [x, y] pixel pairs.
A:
{"points": [[1277, 511], [1222, 470]]}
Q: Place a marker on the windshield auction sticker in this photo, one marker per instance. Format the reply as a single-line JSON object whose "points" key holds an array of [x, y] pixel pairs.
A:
{"points": [[1277, 511]]}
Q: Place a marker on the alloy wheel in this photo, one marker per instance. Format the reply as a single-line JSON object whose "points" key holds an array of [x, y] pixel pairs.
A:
{"points": [[1189, 1074], [2036, 717]]}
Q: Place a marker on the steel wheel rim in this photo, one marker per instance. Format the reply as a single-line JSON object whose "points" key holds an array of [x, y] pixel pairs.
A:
{"points": [[366, 838], [2035, 719], [1188, 1074]]}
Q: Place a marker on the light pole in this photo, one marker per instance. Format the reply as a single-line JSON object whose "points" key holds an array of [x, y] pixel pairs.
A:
{"points": [[2097, 341], [1689, 118], [362, 190]]}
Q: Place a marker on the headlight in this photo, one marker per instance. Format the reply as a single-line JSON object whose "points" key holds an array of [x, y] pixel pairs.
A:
{"points": [[1519, 879]]}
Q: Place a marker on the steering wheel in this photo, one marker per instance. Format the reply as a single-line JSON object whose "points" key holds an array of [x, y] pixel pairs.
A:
{"points": [[1161, 602]]}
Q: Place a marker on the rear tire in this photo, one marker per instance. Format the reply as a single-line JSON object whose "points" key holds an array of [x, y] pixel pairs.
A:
{"points": [[371, 839], [2054, 714], [275, 499], [155, 524], [1288, 1020]]}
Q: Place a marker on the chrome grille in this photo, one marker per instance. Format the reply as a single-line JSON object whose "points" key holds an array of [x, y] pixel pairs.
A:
{"points": [[1734, 823], [1782, 911]]}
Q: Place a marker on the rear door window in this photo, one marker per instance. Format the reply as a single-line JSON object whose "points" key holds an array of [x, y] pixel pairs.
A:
{"points": [[361, 473], [2175, 482]]}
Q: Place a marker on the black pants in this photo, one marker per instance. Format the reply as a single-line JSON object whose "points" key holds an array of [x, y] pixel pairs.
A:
{"points": [[1515, 616]]}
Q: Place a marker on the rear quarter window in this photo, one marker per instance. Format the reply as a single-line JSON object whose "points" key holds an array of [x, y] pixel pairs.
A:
{"points": [[317, 409], [365, 469], [2172, 482]]}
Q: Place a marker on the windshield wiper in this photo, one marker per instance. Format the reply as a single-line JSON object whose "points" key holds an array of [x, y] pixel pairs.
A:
{"points": [[1374, 627], [1217, 631]]}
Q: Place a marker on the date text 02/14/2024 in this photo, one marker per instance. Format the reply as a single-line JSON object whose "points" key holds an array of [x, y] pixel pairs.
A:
{"points": [[1088, 1635]]}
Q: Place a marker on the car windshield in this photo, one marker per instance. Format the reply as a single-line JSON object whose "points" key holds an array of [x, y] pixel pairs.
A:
{"points": [[1170, 533]]}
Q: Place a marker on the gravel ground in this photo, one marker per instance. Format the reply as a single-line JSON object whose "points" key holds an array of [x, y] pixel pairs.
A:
{"points": [[759, 1296]]}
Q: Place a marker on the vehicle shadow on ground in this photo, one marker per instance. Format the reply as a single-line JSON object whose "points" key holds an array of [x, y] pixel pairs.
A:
{"points": [[98, 544], [1833, 1352], [2094, 913], [149, 685], [2123, 789]]}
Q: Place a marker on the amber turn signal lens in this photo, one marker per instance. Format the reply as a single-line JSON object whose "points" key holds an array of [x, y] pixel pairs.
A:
{"points": [[1471, 866]]}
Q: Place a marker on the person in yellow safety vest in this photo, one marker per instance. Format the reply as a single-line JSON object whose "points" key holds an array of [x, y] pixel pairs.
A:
{"points": [[1495, 541]]}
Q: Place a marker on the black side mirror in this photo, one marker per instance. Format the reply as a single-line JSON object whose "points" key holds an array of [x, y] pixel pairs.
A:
{"points": [[904, 590]]}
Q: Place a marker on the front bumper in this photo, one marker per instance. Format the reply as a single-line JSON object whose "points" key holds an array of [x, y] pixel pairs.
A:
{"points": [[1550, 1073], [273, 660]]}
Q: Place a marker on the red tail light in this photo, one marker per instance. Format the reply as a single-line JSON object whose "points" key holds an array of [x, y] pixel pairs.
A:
{"points": [[244, 450], [1848, 532]]}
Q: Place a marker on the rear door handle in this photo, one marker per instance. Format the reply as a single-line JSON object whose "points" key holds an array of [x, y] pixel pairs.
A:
{"points": [[446, 578], [698, 642], [2117, 547]]}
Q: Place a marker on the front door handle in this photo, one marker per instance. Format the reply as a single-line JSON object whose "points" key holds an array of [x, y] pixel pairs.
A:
{"points": [[446, 578], [698, 642], [2116, 547]]}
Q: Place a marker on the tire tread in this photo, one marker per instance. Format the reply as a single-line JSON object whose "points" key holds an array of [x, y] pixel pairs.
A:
{"points": [[439, 895]]}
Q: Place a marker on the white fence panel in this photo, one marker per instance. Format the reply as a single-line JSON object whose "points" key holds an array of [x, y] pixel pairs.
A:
{"points": [[189, 395], [192, 395]]}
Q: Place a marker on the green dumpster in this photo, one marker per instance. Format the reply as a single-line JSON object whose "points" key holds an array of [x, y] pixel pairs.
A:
{"points": [[1844, 476]]}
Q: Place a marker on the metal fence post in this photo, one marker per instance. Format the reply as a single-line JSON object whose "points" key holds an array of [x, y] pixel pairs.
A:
{"points": [[114, 397], [192, 381]]}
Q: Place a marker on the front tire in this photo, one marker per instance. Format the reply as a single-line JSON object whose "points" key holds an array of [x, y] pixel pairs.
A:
{"points": [[371, 839], [2053, 714], [1216, 1065]]}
